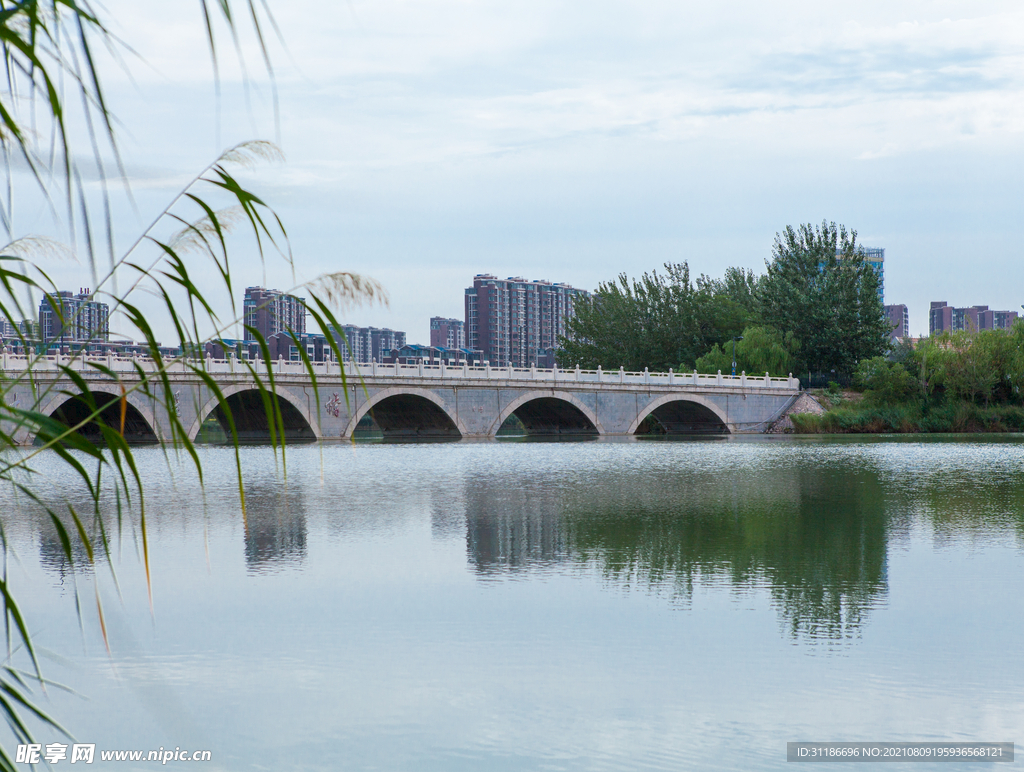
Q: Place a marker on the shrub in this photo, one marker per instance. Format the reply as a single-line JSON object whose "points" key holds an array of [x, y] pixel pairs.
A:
{"points": [[884, 381], [762, 350]]}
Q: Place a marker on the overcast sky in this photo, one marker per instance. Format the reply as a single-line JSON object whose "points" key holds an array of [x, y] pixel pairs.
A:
{"points": [[571, 141]]}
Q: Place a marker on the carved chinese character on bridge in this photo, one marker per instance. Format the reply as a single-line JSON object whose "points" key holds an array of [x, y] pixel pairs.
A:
{"points": [[334, 405]]}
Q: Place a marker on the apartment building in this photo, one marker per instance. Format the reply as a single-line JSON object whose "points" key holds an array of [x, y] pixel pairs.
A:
{"points": [[899, 317], [368, 344], [517, 321], [270, 311], [447, 333], [943, 317], [68, 319]]}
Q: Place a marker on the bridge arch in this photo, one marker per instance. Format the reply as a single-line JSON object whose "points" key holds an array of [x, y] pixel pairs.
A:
{"points": [[684, 414], [250, 418], [549, 412], [408, 411], [140, 421]]}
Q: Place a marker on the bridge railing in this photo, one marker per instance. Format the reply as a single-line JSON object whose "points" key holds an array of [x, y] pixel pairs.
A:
{"points": [[14, 363]]}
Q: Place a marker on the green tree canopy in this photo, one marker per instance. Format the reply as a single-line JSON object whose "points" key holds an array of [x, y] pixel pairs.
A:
{"points": [[657, 321], [820, 289], [817, 308], [885, 381], [762, 350], [981, 366]]}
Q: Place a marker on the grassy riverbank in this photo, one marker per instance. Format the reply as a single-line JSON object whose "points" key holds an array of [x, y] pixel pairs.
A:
{"points": [[868, 417]]}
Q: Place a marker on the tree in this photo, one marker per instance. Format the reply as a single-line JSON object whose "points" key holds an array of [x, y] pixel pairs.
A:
{"points": [[737, 284], [658, 321], [929, 362], [762, 350], [982, 365], [885, 381], [820, 289]]}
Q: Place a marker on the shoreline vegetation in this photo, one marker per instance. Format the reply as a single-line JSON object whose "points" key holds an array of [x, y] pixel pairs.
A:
{"points": [[956, 418], [960, 383]]}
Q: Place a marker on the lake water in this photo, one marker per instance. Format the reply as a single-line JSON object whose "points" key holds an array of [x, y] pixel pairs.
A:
{"points": [[520, 605]]}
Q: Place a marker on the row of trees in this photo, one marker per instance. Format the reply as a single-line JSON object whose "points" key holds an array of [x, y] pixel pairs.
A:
{"points": [[817, 307]]}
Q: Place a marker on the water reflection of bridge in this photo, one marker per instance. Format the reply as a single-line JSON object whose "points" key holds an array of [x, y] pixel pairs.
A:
{"points": [[816, 541], [275, 528]]}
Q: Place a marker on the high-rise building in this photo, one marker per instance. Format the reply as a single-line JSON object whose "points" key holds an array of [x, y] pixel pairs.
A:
{"points": [[353, 343], [382, 341], [875, 257], [900, 319], [9, 329], [368, 344], [272, 311], [943, 317], [449, 333], [73, 319], [517, 321]]}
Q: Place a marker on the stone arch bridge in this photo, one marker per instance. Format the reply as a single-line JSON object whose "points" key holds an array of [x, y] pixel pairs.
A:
{"points": [[414, 400]]}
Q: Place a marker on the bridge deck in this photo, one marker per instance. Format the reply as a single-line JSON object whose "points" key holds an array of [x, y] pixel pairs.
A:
{"points": [[14, 363]]}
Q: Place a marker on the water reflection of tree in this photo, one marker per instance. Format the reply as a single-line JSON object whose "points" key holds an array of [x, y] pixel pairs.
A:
{"points": [[53, 557], [275, 534], [815, 538], [976, 503]]}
